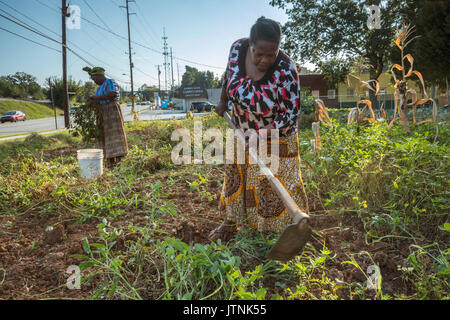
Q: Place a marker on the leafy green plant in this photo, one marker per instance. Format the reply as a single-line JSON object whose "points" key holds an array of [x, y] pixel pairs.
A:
{"points": [[430, 271], [401, 179], [197, 271], [201, 186], [86, 122], [100, 259]]}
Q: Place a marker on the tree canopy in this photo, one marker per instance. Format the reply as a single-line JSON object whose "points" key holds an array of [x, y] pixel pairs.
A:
{"points": [[20, 85], [320, 30], [56, 83], [334, 71], [432, 46], [193, 77]]}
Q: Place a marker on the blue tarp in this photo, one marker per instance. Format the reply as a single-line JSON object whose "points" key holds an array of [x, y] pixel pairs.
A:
{"points": [[164, 104]]}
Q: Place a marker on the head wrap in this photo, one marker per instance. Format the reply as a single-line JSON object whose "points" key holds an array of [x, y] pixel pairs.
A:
{"points": [[94, 71]]}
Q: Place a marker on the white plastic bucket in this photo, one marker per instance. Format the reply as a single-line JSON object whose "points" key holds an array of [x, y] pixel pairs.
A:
{"points": [[90, 162]]}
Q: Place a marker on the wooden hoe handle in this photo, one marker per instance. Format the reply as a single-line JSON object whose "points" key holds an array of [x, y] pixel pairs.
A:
{"points": [[292, 207]]}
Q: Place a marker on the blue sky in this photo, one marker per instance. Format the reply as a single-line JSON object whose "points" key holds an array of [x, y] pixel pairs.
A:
{"points": [[198, 30]]}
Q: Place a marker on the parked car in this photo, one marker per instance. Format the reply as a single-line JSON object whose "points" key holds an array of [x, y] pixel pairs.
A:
{"points": [[202, 106], [74, 110], [13, 116]]}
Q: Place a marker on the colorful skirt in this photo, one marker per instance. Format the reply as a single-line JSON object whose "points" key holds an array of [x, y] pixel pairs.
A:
{"points": [[247, 198], [112, 137]]}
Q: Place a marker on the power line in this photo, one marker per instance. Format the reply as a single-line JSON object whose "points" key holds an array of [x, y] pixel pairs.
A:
{"points": [[98, 17], [34, 30], [148, 75], [24, 15], [145, 22], [71, 42], [43, 45], [26, 26], [141, 45]]}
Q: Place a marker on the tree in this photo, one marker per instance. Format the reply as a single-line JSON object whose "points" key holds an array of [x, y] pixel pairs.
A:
{"points": [[147, 92], [27, 82], [319, 30], [431, 48], [334, 71], [11, 90], [87, 90], [56, 83], [20, 85], [193, 77]]}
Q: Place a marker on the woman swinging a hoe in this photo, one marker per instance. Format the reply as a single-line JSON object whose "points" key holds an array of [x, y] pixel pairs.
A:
{"points": [[261, 85]]}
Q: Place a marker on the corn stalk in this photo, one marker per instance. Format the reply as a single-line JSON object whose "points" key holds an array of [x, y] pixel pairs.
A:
{"points": [[321, 113], [356, 114], [402, 92]]}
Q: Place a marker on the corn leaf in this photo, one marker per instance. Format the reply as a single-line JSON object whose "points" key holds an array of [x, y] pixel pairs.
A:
{"points": [[369, 104], [419, 75], [398, 40], [411, 62], [392, 122], [414, 97], [352, 115]]}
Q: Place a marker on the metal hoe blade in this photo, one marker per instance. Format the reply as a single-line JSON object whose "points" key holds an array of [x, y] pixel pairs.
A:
{"points": [[291, 241]]}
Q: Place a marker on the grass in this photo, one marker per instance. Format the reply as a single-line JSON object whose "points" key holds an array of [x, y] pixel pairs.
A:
{"points": [[35, 143], [32, 110], [26, 134]]}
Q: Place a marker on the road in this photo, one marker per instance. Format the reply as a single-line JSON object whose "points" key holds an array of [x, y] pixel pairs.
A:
{"points": [[47, 124]]}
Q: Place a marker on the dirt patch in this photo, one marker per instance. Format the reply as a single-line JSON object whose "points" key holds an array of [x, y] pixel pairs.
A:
{"points": [[34, 262]]}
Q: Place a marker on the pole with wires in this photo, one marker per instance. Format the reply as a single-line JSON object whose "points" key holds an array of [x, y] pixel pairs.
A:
{"points": [[64, 66], [171, 66], [131, 60], [159, 79], [166, 62]]}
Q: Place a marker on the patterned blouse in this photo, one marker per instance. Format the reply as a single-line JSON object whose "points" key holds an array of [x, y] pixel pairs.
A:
{"points": [[275, 98], [107, 86]]}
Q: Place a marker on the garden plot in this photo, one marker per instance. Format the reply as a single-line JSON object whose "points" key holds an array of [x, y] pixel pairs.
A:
{"points": [[378, 202]]}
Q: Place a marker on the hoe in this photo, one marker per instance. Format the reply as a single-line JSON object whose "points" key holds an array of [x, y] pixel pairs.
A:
{"points": [[295, 236]]}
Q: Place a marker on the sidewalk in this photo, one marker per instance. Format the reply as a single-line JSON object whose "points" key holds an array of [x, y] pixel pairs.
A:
{"points": [[29, 134]]}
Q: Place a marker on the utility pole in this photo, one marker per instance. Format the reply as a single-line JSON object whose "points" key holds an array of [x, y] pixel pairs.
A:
{"points": [[53, 101], [159, 79], [64, 65], [166, 57], [171, 66], [178, 71], [129, 55]]}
